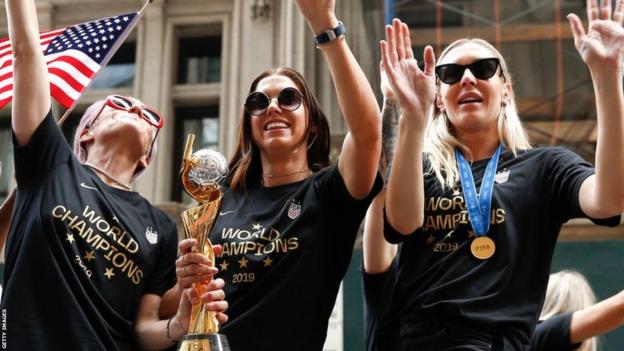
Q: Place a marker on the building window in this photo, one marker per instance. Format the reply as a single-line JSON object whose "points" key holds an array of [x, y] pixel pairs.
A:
{"points": [[203, 121], [200, 60], [120, 70]]}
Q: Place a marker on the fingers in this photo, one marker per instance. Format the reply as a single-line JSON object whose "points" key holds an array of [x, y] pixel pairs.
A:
{"points": [[217, 306], [215, 284], [186, 245], [398, 37], [605, 9], [222, 318], [391, 46], [592, 10], [194, 267], [578, 32], [618, 13], [407, 41], [430, 60], [386, 60]]}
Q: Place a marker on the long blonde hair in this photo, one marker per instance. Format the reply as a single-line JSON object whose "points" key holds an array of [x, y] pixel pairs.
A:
{"points": [[440, 141], [569, 291]]}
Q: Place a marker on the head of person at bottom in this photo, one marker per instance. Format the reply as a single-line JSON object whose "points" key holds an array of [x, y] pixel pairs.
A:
{"points": [[282, 133], [122, 129], [474, 106], [569, 291]]}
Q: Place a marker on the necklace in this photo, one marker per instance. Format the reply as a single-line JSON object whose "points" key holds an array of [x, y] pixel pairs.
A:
{"points": [[285, 174], [115, 180]]}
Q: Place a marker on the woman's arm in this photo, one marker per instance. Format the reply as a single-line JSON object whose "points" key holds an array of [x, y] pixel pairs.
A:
{"points": [[415, 91], [377, 252], [31, 86], [602, 50], [154, 333], [362, 145], [598, 319]]}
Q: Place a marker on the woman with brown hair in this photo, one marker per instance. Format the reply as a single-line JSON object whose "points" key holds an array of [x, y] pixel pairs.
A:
{"points": [[289, 218]]}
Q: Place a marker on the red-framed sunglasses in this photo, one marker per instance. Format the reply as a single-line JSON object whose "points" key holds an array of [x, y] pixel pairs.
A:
{"points": [[147, 113]]}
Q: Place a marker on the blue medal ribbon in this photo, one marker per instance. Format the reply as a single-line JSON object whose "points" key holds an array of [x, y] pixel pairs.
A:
{"points": [[478, 207]]}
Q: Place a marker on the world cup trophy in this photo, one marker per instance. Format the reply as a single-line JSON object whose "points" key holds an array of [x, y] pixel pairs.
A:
{"points": [[201, 174]]}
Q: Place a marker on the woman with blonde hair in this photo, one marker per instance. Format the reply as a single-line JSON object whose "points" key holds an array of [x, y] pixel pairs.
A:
{"points": [[476, 209], [571, 319]]}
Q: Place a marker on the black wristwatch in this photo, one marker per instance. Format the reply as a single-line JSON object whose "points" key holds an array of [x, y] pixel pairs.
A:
{"points": [[330, 35]]}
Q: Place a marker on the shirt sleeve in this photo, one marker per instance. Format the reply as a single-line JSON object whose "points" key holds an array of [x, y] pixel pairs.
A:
{"points": [[553, 334], [377, 289], [163, 276], [566, 173], [46, 149]]}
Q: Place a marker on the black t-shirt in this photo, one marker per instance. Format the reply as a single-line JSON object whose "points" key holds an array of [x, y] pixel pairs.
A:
{"points": [[285, 251], [534, 194], [553, 334], [381, 321], [80, 253]]}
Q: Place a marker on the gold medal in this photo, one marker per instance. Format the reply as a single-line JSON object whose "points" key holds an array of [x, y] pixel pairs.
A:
{"points": [[482, 247]]}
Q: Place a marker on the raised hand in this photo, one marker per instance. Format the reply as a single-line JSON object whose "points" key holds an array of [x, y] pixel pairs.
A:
{"points": [[413, 88], [319, 14], [602, 47]]}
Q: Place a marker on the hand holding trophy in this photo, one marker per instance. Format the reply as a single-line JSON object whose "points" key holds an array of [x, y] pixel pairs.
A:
{"points": [[201, 174]]}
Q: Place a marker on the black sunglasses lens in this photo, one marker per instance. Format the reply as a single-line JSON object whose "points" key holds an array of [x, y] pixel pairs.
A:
{"points": [[256, 103], [121, 101], [450, 73], [152, 116], [484, 69], [289, 99]]}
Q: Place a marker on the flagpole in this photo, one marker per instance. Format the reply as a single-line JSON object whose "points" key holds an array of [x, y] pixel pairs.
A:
{"points": [[145, 5]]}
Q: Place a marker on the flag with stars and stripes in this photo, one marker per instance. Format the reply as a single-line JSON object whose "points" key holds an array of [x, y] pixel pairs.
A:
{"points": [[74, 55]]}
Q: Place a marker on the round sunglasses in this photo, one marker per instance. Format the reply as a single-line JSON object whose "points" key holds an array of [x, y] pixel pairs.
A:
{"points": [[257, 103], [483, 69]]}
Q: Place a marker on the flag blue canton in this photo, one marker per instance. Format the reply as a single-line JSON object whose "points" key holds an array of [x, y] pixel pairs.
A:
{"points": [[95, 39]]}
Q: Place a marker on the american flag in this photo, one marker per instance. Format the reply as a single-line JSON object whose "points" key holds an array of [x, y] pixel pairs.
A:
{"points": [[74, 55]]}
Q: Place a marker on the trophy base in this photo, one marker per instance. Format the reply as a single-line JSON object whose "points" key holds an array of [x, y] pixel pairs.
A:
{"points": [[203, 342]]}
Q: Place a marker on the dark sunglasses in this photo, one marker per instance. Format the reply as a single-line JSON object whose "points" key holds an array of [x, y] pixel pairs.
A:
{"points": [[257, 103], [149, 114], [452, 73]]}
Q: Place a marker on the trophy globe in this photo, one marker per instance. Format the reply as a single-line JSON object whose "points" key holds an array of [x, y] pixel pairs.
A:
{"points": [[204, 171]]}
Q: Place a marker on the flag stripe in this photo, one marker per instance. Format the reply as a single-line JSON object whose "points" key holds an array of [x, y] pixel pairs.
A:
{"points": [[73, 56], [60, 96]]}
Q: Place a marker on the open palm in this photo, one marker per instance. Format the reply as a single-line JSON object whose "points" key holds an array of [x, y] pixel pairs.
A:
{"points": [[603, 44], [414, 88]]}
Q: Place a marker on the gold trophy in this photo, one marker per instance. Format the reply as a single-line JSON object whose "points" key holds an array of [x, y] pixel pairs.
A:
{"points": [[201, 174]]}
